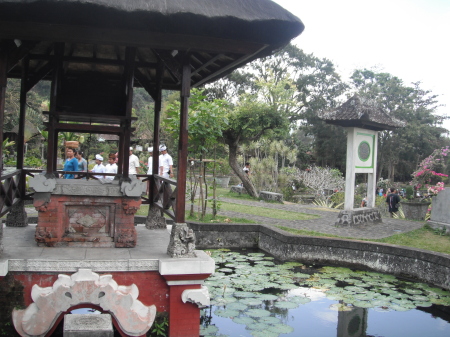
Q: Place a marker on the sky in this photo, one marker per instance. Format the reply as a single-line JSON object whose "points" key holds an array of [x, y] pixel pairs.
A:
{"points": [[406, 38]]}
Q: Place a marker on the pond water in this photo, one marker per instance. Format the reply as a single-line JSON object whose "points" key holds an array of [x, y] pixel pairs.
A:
{"points": [[252, 295]]}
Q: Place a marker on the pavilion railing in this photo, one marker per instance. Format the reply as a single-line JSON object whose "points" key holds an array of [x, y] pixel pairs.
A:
{"points": [[164, 196], [11, 190]]}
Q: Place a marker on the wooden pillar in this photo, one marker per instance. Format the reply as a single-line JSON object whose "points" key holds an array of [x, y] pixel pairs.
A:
{"points": [[22, 114], [130, 60], [52, 133], [3, 82], [156, 127], [183, 142]]}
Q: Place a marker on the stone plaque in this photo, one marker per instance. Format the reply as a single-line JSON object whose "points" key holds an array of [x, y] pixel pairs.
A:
{"points": [[88, 325], [88, 220]]}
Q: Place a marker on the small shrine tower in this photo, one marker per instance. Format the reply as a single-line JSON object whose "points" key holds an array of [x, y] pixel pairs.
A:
{"points": [[362, 119]]}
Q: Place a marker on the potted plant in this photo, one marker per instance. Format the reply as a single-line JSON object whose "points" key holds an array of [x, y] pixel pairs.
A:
{"points": [[416, 207]]}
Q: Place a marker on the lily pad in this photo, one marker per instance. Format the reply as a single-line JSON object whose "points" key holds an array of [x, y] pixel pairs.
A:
{"points": [[263, 333], [251, 301], [258, 313], [269, 320], [258, 326], [210, 329], [237, 306], [281, 328], [243, 320], [286, 305], [244, 294], [226, 312]]}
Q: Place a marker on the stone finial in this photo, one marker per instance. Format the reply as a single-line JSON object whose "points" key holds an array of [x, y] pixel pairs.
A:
{"points": [[182, 241], [42, 184], [133, 188]]}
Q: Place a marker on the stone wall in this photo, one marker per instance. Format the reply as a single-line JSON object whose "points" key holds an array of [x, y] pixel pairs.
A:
{"points": [[413, 263], [440, 215]]}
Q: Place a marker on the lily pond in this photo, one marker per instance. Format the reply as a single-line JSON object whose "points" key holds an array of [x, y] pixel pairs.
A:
{"points": [[253, 295]]}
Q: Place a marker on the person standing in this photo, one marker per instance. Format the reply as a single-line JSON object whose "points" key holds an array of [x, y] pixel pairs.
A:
{"points": [[150, 161], [98, 168], [111, 167], [165, 163], [82, 164], [71, 163], [393, 201], [134, 163]]}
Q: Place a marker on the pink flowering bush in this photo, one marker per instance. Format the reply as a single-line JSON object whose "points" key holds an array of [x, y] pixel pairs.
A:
{"points": [[427, 170]]}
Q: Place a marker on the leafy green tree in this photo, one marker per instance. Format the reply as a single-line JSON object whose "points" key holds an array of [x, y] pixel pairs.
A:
{"points": [[401, 150]]}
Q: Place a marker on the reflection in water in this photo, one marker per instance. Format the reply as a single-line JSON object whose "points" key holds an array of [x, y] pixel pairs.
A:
{"points": [[253, 296]]}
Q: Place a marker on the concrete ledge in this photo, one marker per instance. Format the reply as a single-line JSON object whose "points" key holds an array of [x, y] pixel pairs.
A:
{"points": [[271, 196], [419, 264]]}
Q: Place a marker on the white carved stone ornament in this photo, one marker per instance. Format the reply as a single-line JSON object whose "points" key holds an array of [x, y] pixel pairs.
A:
{"points": [[200, 297], [84, 287], [42, 184], [135, 188]]}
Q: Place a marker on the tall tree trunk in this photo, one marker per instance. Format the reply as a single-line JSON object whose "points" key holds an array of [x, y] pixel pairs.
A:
{"points": [[232, 160]]}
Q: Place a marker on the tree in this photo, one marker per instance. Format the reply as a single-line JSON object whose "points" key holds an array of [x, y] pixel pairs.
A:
{"points": [[248, 121], [207, 120], [401, 150]]}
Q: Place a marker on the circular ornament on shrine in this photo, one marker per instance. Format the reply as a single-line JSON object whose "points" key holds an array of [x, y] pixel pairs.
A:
{"points": [[364, 151]]}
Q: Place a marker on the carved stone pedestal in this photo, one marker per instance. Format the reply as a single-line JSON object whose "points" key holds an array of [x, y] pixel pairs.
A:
{"points": [[359, 217], [17, 217], [80, 213], [154, 219], [182, 241]]}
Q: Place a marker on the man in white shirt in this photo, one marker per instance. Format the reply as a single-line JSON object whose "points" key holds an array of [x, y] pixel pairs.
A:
{"points": [[111, 167], [98, 168], [165, 163], [150, 161], [134, 163]]}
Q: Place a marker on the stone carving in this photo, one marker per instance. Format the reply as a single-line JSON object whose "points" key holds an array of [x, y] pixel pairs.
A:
{"points": [[17, 217], [41, 201], [43, 234], [271, 196], [133, 188], [154, 219], [86, 221], [85, 286], [70, 266], [182, 241], [88, 325], [358, 217], [40, 183], [200, 297], [131, 206], [126, 238]]}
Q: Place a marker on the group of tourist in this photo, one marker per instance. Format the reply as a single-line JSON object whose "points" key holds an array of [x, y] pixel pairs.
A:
{"points": [[76, 163], [392, 199]]}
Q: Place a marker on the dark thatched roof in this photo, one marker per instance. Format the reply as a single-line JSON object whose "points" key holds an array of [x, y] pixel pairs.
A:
{"points": [[358, 112], [219, 35], [252, 20]]}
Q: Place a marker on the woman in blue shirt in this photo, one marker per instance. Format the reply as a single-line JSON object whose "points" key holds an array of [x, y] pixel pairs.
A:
{"points": [[71, 163], [82, 164]]}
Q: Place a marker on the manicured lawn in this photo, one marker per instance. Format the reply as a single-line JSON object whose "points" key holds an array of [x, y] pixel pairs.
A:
{"points": [[267, 212], [422, 238]]}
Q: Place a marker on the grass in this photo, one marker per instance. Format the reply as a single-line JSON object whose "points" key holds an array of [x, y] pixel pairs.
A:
{"points": [[143, 211], [267, 212], [423, 238]]}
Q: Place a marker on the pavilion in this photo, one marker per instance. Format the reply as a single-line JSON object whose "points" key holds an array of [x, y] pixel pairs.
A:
{"points": [[95, 52]]}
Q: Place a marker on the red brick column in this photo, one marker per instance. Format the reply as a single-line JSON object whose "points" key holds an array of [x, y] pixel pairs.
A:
{"points": [[184, 318]]}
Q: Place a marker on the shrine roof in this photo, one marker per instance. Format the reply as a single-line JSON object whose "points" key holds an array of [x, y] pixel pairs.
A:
{"points": [[220, 35], [363, 113]]}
